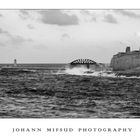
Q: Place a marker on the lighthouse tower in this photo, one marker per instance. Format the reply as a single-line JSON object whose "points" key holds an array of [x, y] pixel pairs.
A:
{"points": [[15, 63]]}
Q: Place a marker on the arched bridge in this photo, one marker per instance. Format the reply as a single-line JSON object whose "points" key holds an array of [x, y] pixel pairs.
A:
{"points": [[86, 62]]}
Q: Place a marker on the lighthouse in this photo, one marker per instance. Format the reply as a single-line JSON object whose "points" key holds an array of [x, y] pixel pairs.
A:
{"points": [[15, 63]]}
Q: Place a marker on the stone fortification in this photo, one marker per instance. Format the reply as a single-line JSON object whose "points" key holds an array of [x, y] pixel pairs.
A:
{"points": [[125, 60]]}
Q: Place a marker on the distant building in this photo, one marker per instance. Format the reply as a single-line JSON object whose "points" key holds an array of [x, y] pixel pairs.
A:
{"points": [[126, 60], [15, 63]]}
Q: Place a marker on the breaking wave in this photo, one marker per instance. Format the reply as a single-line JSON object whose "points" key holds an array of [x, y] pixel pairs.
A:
{"points": [[83, 71]]}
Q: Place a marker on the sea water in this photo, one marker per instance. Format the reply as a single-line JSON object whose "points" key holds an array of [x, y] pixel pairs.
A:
{"points": [[57, 91]]}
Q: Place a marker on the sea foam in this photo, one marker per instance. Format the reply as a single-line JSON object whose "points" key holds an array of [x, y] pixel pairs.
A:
{"points": [[83, 71]]}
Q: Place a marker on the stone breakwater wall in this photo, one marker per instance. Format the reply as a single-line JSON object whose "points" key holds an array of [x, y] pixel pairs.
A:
{"points": [[125, 60]]}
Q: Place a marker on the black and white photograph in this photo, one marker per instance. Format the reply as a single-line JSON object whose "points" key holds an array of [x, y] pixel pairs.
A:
{"points": [[70, 63]]}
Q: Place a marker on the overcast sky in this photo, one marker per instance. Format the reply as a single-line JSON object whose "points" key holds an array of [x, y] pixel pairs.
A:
{"points": [[60, 36]]}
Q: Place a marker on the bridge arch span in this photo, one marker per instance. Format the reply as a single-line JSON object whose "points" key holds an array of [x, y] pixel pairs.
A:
{"points": [[86, 62]]}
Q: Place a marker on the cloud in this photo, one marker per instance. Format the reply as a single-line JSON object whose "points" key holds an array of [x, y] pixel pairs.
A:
{"points": [[65, 35], [30, 26], [87, 13], [128, 13], [12, 39], [110, 19], [3, 31], [58, 17], [24, 14], [19, 40]]}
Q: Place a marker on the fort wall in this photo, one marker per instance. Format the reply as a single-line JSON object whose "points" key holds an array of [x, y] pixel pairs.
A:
{"points": [[125, 60]]}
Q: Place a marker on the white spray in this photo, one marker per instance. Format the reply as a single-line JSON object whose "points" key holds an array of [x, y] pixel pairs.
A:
{"points": [[81, 70]]}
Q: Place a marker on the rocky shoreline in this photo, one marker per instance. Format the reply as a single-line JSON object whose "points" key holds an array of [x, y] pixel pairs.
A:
{"points": [[128, 73]]}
